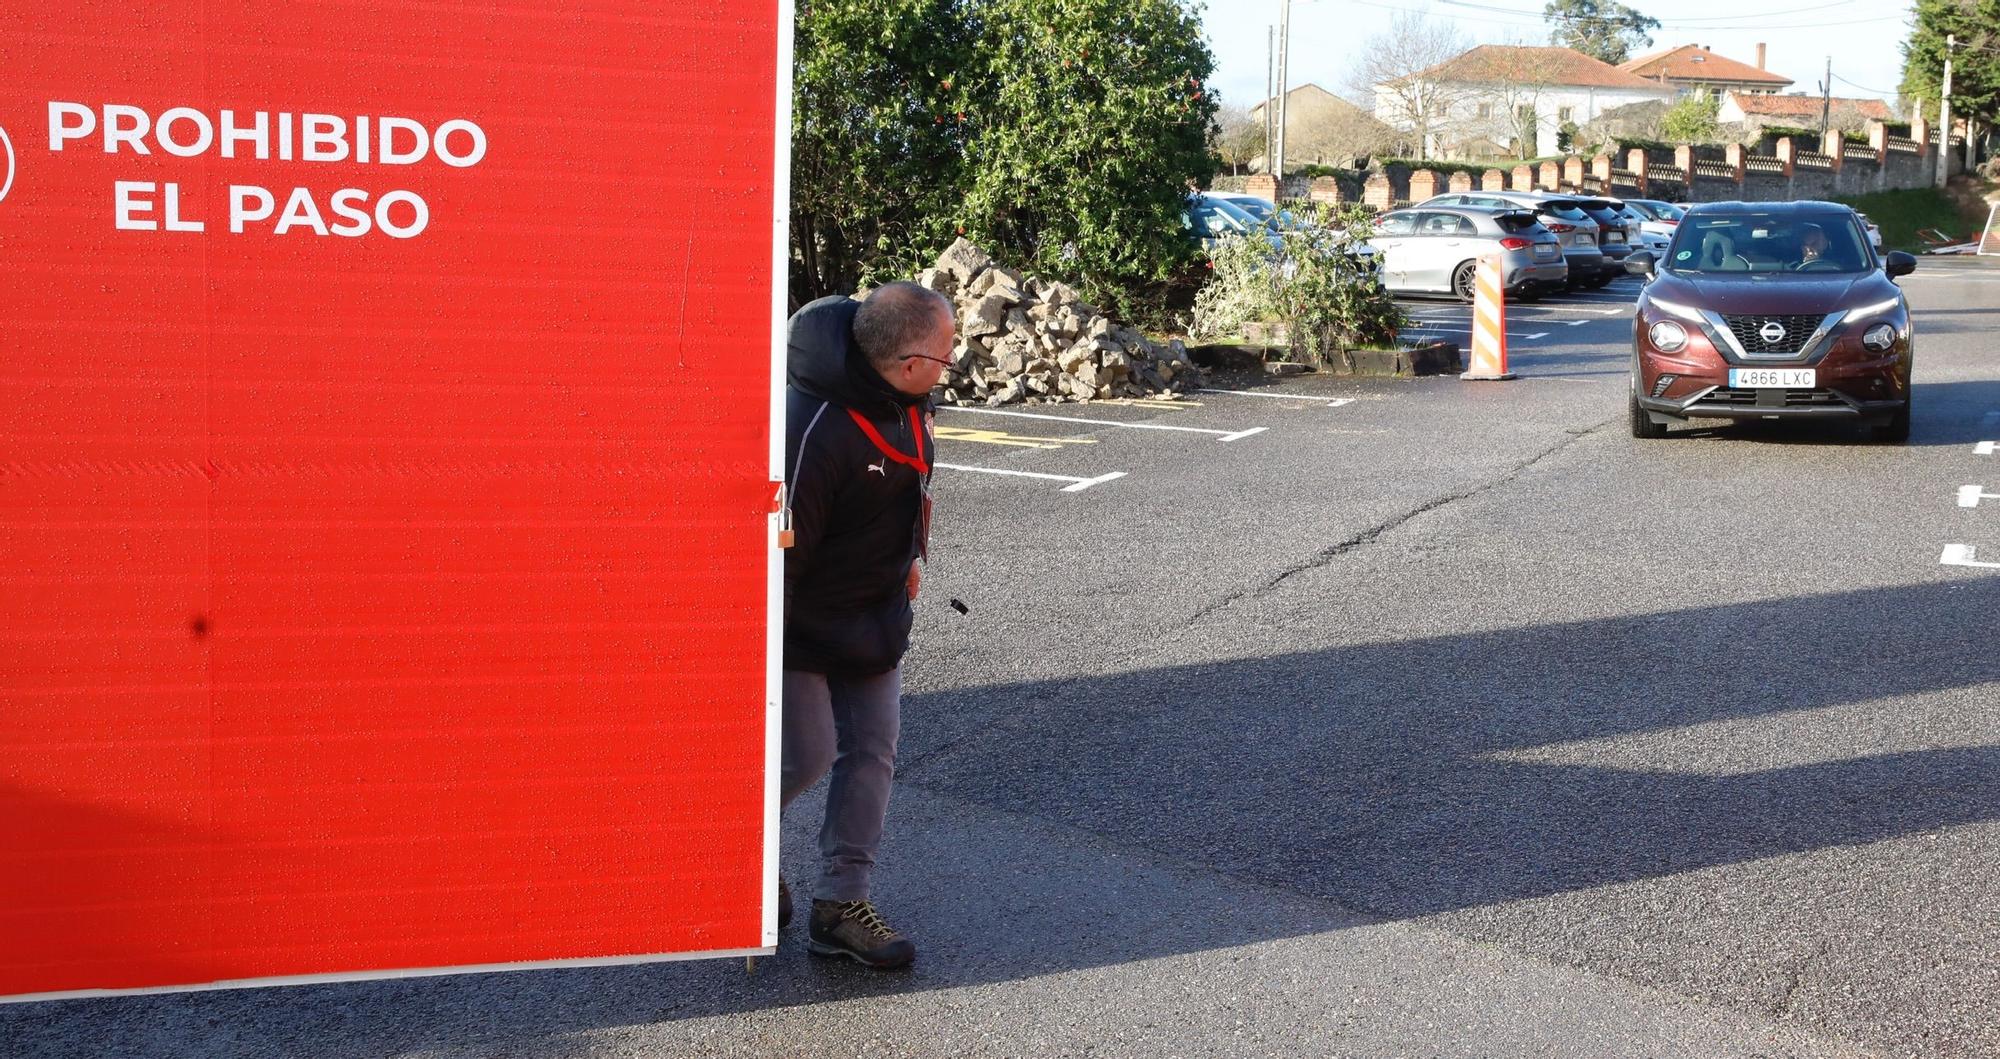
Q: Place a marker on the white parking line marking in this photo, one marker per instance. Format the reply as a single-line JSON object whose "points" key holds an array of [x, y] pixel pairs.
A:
{"points": [[1334, 403], [1565, 309], [1985, 448], [1577, 323], [1961, 555], [1971, 495], [1077, 485], [1468, 330], [1224, 435]]}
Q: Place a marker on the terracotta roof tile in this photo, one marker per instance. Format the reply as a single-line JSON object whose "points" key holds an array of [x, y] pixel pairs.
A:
{"points": [[1691, 62], [1806, 106], [1490, 63]]}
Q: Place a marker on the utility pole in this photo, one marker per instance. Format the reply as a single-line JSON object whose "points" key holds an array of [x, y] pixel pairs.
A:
{"points": [[1270, 97], [1825, 105], [1284, 78], [1944, 114]]}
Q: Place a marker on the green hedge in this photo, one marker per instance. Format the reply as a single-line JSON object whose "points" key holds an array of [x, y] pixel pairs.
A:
{"points": [[1314, 172], [1474, 168]]}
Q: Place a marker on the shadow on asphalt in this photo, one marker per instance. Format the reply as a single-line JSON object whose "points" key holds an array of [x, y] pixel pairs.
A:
{"points": [[1397, 780], [1945, 414]]}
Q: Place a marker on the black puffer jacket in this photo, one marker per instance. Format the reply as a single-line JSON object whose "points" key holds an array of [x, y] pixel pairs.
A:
{"points": [[855, 511]]}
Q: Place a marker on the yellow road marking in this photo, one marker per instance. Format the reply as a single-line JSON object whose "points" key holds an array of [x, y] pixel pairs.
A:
{"points": [[1001, 437]]}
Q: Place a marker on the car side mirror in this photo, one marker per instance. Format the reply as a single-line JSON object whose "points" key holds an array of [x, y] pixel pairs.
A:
{"points": [[1640, 263], [1899, 263]]}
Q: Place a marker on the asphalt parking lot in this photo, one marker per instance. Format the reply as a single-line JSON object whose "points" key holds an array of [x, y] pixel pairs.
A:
{"points": [[1378, 718]]}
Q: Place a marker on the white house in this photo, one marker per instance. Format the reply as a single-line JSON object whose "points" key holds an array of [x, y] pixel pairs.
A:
{"points": [[1521, 97]]}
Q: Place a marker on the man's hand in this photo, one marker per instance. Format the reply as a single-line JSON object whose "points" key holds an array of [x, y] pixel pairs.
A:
{"points": [[916, 578]]}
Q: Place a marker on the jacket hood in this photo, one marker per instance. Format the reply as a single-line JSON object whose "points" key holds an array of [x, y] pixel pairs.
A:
{"points": [[822, 359]]}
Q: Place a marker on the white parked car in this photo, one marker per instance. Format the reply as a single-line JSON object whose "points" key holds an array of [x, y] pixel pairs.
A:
{"points": [[1874, 231]]}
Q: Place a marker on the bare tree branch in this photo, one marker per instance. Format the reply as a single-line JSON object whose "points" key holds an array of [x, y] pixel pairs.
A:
{"points": [[1397, 69]]}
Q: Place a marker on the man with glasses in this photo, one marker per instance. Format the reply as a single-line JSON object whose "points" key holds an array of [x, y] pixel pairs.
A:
{"points": [[858, 451]]}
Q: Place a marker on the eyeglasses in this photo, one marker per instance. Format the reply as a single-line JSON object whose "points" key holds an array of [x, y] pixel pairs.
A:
{"points": [[925, 356]]}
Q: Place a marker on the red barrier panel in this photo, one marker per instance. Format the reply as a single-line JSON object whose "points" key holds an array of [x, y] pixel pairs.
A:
{"points": [[386, 567]]}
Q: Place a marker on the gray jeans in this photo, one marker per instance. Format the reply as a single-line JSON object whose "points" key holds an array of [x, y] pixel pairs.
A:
{"points": [[848, 726]]}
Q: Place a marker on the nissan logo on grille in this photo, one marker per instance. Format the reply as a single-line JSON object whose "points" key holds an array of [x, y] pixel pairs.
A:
{"points": [[1772, 332]]}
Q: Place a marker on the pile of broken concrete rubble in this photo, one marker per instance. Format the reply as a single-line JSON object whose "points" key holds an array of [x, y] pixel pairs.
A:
{"points": [[1032, 341]]}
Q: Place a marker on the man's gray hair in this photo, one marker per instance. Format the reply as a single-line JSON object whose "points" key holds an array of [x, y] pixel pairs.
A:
{"points": [[896, 318]]}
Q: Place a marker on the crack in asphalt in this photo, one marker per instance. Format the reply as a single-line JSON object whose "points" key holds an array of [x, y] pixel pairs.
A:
{"points": [[1373, 533], [908, 768]]}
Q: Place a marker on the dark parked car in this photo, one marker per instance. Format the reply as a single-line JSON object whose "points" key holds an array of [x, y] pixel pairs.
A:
{"points": [[1616, 234], [1209, 219], [1768, 310]]}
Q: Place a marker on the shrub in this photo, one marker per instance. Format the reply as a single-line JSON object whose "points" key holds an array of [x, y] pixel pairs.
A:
{"points": [[1328, 301]]}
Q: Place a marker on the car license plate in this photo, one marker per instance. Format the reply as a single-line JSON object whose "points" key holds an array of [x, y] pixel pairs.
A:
{"points": [[1546, 251], [1773, 378], [1614, 237], [1581, 239]]}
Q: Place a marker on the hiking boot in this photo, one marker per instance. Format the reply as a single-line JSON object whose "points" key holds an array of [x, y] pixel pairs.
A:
{"points": [[855, 930], [784, 904]]}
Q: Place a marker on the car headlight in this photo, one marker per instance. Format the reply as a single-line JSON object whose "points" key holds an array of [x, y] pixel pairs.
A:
{"points": [[1881, 338], [1668, 336]]}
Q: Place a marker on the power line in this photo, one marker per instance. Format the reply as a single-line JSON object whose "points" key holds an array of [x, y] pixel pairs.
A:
{"points": [[1696, 22], [1864, 88], [1530, 18]]}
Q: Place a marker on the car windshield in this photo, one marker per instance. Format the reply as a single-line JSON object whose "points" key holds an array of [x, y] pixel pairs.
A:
{"points": [[1516, 222], [1214, 217], [1766, 242], [1566, 210], [1257, 208]]}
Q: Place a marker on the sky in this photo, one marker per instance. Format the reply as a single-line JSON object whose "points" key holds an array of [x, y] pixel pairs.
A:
{"points": [[1862, 36]]}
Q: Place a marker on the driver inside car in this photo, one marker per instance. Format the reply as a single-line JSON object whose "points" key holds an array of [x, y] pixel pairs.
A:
{"points": [[1812, 245]]}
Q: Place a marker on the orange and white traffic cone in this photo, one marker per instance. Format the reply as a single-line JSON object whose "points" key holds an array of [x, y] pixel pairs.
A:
{"points": [[1489, 325]]}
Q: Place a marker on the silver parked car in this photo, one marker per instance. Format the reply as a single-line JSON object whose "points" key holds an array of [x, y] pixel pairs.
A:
{"points": [[1640, 226], [1663, 219], [1437, 250], [1561, 215]]}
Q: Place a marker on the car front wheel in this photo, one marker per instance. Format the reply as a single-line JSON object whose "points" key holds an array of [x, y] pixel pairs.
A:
{"points": [[1897, 430], [1643, 426]]}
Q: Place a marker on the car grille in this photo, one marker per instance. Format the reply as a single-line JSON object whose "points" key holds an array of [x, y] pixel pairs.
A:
{"points": [[1748, 331], [1772, 398]]}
